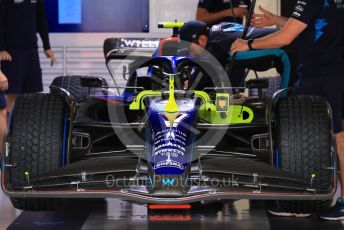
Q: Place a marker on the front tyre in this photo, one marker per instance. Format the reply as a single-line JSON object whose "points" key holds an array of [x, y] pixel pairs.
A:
{"points": [[304, 142], [37, 134]]}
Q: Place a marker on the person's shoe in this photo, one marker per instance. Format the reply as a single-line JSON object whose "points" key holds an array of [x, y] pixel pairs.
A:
{"points": [[334, 213], [276, 210]]}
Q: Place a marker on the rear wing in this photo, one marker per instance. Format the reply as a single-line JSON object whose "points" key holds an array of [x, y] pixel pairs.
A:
{"points": [[120, 48]]}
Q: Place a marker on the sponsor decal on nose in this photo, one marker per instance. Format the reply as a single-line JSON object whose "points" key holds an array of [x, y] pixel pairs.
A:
{"points": [[168, 182]]}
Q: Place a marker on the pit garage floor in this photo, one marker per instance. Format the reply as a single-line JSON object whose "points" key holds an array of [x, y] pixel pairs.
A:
{"points": [[115, 214]]}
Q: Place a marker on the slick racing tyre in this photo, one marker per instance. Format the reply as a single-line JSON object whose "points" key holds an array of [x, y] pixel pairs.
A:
{"points": [[303, 128], [37, 135]]}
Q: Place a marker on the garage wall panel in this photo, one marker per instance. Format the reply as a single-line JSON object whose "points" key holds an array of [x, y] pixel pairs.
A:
{"points": [[81, 53]]}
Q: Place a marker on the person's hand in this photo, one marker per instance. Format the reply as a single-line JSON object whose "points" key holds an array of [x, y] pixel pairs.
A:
{"points": [[50, 54], [240, 11], [263, 20], [239, 45], [5, 56], [3, 82]]}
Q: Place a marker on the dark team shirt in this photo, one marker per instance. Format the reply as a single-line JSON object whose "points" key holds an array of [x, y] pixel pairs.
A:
{"points": [[219, 42], [321, 44], [20, 21], [214, 6]]}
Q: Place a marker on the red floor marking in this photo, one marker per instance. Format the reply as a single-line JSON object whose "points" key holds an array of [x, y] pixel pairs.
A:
{"points": [[170, 218], [168, 207]]}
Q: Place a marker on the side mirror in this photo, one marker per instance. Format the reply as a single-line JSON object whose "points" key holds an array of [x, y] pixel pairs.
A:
{"points": [[110, 45]]}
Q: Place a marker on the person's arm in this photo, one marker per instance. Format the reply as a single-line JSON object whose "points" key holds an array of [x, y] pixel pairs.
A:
{"points": [[42, 24], [43, 31], [203, 12], [4, 55], [281, 38], [3, 9], [304, 14], [205, 16], [268, 19], [3, 82]]}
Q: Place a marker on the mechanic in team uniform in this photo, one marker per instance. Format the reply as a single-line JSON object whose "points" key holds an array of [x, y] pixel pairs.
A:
{"points": [[214, 12], [20, 20], [318, 28], [198, 40]]}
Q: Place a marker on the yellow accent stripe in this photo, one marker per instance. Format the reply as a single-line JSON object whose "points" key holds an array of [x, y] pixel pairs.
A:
{"points": [[171, 106]]}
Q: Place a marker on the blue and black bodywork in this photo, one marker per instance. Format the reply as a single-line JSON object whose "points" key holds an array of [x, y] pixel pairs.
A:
{"points": [[160, 139]]}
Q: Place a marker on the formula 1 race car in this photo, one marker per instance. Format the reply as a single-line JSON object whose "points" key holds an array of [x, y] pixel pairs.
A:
{"points": [[162, 140]]}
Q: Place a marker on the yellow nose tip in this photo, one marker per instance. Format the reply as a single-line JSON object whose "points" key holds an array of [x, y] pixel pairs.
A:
{"points": [[171, 106]]}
